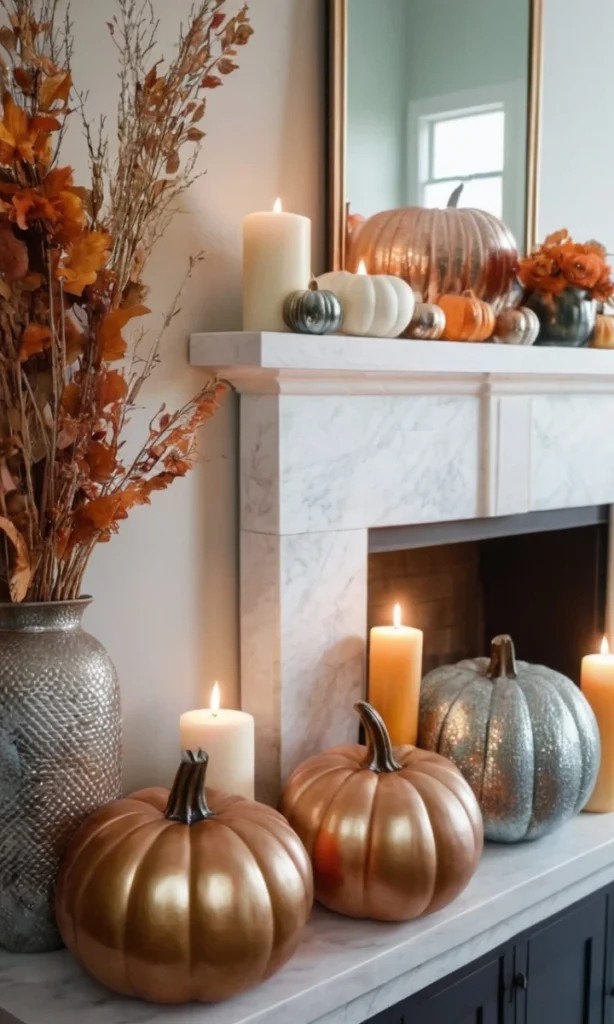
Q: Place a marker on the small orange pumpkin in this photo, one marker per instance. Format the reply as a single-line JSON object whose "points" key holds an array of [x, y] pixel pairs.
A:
{"points": [[467, 318], [392, 835], [183, 897], [603, 335]]}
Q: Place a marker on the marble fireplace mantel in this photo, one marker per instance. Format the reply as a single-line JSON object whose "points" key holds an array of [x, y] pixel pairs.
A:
{"points": [[340, 436]]}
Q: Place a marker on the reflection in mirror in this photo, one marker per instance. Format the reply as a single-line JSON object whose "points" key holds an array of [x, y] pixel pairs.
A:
{"points": [[438, 95]]}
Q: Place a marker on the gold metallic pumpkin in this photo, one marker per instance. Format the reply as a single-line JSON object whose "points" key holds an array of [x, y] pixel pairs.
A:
{"points": [[439, 252], [428, 322], [516, 327], [392, 835], [184, 898], [603, 335]]}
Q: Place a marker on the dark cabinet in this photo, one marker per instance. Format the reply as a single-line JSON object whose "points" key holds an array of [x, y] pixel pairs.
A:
{"points": [[563, 963], [560, 972]]}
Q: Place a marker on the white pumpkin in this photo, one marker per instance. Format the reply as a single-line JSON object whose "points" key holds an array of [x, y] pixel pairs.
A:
{"points": [[374, 305]]}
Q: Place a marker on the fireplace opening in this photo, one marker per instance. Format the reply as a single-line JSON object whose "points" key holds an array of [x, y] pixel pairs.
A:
{"points": [[541, 577]]}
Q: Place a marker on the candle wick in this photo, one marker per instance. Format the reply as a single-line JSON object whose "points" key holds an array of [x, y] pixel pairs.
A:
{"points": [[214, 713]]}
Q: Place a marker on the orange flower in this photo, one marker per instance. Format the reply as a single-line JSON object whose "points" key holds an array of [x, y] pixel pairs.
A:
{"points": [[86, 257], [540, 273], [581, 270]]}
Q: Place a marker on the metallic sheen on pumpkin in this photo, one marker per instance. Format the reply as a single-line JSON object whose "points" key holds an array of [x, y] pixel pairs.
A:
{"points": [[184, 897], [439, 252], [428, 322], [392, 834], [524, 737], [516, 327], [315, 311]]}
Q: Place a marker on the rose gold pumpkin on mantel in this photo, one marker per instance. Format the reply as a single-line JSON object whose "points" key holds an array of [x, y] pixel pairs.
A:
{"points": [[392, 833], [439, 252]]}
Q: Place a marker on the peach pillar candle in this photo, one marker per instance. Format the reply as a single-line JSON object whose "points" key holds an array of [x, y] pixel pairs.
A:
{"points": [[228, 738], [276, 262], [597, 685], [395, 674]]}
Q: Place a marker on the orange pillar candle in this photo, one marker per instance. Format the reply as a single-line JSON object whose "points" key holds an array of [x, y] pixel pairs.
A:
{"points": [[598, 688], [395, 674]]}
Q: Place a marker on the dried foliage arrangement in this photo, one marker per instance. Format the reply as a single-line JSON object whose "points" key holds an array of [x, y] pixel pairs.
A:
{"points": [[560, 263], [71, 280]]}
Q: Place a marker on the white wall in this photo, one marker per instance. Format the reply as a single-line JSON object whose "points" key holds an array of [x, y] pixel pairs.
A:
{"points": [[166, 588], [577, 158]]}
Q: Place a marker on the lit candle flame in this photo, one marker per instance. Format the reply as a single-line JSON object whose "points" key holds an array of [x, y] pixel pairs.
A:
{"points": [[277, 207], [215, 700], [396, 616], [605, 647], [362, 269]]}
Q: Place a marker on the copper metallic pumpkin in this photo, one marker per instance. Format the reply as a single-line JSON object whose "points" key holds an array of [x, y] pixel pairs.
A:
{"points": [[392, 834], [467, 318], [603, 335], [516, 327], [439, 251], [428, 322], [184, 897]]}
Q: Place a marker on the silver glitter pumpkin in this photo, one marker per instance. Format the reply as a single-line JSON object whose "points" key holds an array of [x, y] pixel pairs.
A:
{"points": [[60, 757], [523, 736]]}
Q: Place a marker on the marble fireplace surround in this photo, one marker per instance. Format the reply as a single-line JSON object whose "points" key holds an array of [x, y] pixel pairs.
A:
{"points": [[341, 436]]}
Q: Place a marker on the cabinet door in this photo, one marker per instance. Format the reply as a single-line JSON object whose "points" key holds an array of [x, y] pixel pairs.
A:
{"points": [[473, 999], [559, 970]]}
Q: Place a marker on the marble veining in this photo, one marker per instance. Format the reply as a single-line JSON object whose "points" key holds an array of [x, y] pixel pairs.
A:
{"points": [[345, 971], [573, 450], [376, 461]]}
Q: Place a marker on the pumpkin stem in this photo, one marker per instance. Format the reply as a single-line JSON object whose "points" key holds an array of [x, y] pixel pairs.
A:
{"points": [[379, 748], [502, 658], [455, 197], [313, 285], [188, 802]]}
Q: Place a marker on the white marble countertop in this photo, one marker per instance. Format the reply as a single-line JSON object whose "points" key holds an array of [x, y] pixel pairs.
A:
{"points": [[347, 971], [266, 353]]}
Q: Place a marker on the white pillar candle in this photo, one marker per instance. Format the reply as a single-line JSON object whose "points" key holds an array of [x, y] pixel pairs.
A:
{"points": [[228, 738], [276, 262]]}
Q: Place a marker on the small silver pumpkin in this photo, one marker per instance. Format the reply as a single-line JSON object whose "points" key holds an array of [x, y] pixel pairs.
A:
{"points": [[516, 327], [428, 322], [523, 736], [314, 311]]}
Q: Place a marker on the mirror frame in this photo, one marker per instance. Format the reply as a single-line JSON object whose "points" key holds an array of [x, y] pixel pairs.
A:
{"points": [[338, 205]]}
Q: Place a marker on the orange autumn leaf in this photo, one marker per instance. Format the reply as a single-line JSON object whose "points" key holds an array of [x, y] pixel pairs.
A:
{"points": [[71, 399], [34, 339], [101, 461], [56, 201], [55, 89], [87, 255], [45, 123], [112, 387], [20, 569], [112, 344], [16, 135]]}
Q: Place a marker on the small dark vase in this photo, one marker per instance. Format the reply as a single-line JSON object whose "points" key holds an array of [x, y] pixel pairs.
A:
{"points": [[569, 319]]}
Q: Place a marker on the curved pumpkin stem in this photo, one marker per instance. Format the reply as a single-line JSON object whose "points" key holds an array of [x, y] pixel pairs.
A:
{"points": [[502, 658], [379, 748], [455, 197], [187, 802]]}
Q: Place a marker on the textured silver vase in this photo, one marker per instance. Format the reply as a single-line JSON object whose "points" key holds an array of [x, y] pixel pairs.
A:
{"points": [[60, 756], [524, 737]]}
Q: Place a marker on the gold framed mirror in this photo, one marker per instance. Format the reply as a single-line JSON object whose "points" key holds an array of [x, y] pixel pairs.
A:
{"points": [[506, 103]]}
